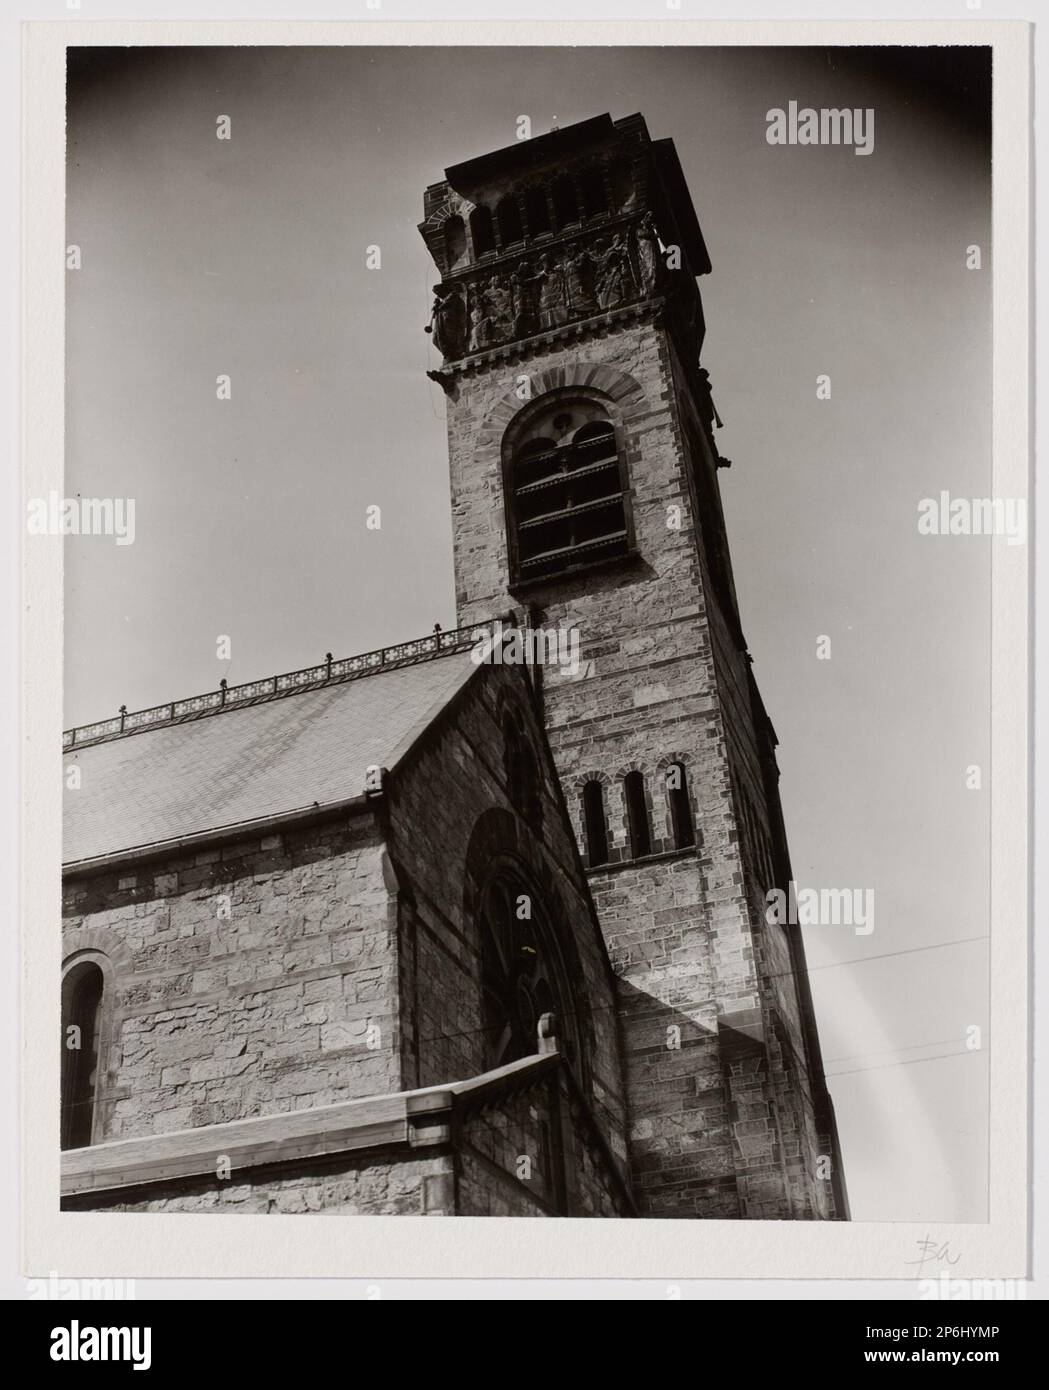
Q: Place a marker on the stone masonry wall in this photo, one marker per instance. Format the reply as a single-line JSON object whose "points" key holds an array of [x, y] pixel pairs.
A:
{"points": [[450, 817], [533, 1154], [243, 979], [704, 1119], [374, 1184]]}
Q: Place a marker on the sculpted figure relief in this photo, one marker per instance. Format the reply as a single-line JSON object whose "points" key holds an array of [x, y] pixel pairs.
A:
{"points": [[499, 305], [527, 285], [553, 295], [448, 321], [479, 322], [579, 275], [615, 276], [542, 294], [649, 254]]}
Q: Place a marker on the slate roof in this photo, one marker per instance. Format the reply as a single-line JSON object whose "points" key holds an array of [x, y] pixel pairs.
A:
{"points": [[241, 764]]}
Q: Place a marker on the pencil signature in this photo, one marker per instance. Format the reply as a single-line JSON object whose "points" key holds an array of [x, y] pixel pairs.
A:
{"points": [[932, 1250]]}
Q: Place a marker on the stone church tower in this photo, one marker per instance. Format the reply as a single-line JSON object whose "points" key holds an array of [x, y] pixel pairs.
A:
{"points": [[584, 475]]}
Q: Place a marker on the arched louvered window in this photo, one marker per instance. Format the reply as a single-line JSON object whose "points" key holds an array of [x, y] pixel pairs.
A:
{"points": [[82, 990], [595, 824], [565, 491], [537, 211], [455, 242], [638, 827], [680, 807], [566, 208], [508, 216], [481, 233]]}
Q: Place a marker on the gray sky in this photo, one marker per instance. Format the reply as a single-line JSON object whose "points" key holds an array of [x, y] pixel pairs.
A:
{"points": [[247, 257]]}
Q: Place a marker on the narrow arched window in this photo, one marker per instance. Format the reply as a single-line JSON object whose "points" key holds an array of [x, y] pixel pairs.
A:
{"points": [[82, 990], [508, 216], [637, 815], [481, 233], [595, 824], [623, 191], [680, 806], [566, 209], [537, 211], [565, 490], [455, 242], [592, 187]]}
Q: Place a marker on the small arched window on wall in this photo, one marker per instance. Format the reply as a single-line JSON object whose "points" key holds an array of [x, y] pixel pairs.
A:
{"points": [[537, 211], [481, 233], [455, 242], [680, 807], [638, 828], [566, 498], [83, 986], [566, 208], [594, 824], [508, 216], [592, 186]]}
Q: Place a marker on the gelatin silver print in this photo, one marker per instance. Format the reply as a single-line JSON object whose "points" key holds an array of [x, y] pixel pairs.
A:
{"points": [[527, 527]]}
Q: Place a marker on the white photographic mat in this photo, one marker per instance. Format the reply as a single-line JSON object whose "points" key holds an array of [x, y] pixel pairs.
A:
{"points": [[244, 229]]}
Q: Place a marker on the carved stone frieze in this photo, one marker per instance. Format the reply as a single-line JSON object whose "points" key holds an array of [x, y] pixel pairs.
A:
{"points": [[603, 269]]}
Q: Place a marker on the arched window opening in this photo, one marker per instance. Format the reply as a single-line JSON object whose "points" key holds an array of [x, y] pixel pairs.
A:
{"points": [[455, 242], [566, 500], [537, 211], [508, 216], [481, 233], [622, 188], [82, 990], [640, 832], [522, 976], [592, 187], [680, 807], [595, 824], [566, 209]]}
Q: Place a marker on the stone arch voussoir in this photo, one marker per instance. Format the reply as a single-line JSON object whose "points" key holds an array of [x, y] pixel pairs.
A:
{"points": [[618, 386], [95, 941]]}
